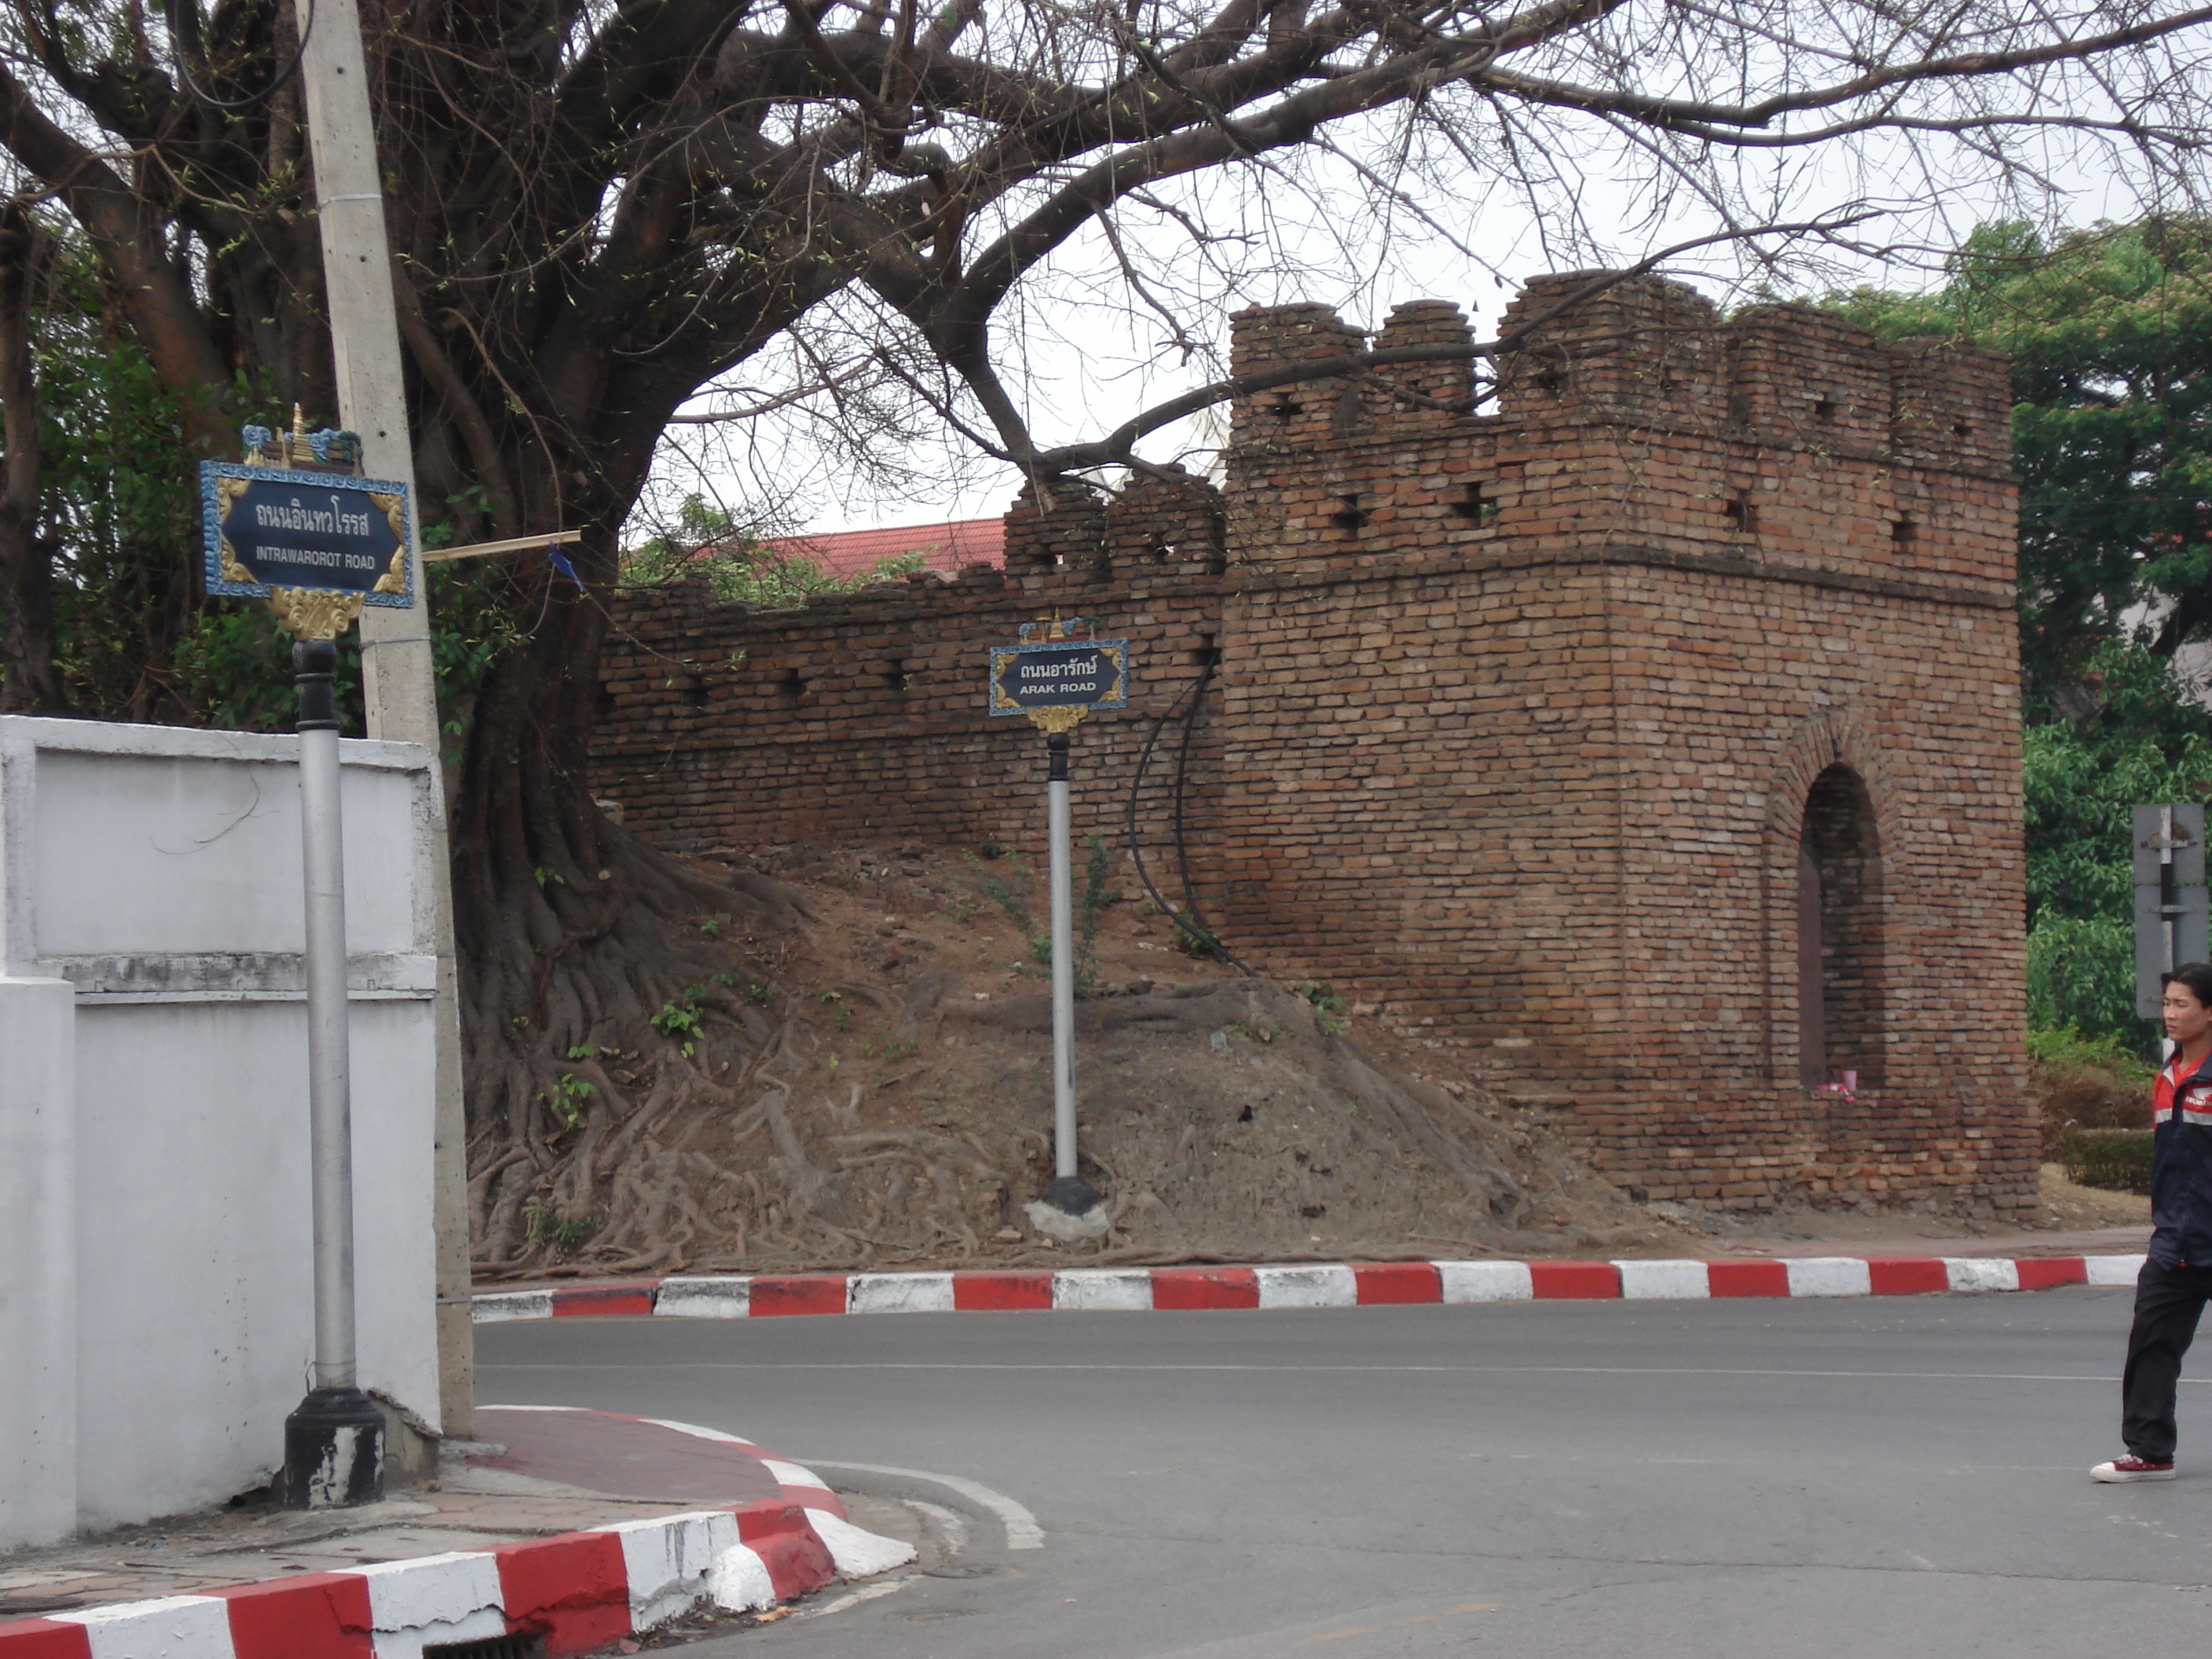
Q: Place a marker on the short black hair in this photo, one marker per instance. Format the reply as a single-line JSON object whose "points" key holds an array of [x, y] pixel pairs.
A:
{"points": [[2196, 975]]}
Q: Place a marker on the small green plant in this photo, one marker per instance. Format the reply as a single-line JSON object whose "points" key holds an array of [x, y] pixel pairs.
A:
{"points": [[1089, 904], [1191, 936], [1323, 996], [759, 990], [1327, 1004], [548, 878], [895, 1050], [568, 1098], [1013, 899], [712, 928], [836, 1000], [539, 1223], [679, 1017]]}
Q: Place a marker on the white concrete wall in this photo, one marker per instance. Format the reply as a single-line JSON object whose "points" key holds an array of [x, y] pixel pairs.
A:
{"points": [[37, 1270], [155, 873]]}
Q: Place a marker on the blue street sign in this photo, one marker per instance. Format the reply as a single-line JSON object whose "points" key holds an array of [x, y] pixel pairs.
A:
{"points": [[268, 527], [1064, 674]]}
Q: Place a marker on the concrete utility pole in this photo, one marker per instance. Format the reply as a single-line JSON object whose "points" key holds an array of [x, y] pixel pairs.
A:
{"points": [[395, 645]]}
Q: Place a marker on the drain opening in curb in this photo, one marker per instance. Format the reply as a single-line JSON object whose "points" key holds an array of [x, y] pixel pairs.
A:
{"points": [[521, 1646]]}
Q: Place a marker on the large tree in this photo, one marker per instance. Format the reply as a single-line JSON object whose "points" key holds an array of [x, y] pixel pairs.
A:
{"points": [[599, 208], [2109, 330]]}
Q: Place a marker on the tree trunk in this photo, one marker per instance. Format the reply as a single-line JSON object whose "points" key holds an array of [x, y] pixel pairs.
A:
{"points": [[573, 934], [29, 682]]}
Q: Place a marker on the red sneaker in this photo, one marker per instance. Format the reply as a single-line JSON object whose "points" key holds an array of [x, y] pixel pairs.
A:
{"points": [[2132, 1468]]}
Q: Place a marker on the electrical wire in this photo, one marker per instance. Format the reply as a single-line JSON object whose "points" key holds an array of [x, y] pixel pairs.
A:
{"points": [[1193, 926], [185, 37]]}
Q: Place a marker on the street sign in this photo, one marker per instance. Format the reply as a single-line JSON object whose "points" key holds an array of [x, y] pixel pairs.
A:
{"points": [[1056, 681], [1062, 674], [2170, 897], [268, 527]]}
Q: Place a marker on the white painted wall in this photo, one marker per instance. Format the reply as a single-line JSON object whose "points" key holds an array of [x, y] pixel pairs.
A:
{"points": [[156, 1312]]}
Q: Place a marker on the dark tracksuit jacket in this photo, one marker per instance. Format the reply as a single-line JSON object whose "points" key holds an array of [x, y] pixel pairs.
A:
{"points": [[2181, 1170]]}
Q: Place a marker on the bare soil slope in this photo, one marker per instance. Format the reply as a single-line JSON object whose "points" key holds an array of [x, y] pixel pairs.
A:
{"points": [[886, 1102], [871, 1090]]}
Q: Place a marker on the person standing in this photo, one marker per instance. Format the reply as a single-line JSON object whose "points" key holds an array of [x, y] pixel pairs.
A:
{"points": [[2176, 1281]]}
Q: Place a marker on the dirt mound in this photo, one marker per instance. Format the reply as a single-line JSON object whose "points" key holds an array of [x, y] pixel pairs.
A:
{"points": [[871, 1089]]}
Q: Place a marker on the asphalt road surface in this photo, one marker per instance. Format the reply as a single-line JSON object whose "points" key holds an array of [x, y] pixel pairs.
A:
{"points": [[1886, 1477]]}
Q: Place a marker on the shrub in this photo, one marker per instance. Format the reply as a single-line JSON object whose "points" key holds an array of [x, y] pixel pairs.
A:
{"points": [[2084, 1083], [2117, 1160]]}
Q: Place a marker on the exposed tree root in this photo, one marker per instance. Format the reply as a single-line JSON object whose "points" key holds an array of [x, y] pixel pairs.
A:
{"points": [[717, 1075]]}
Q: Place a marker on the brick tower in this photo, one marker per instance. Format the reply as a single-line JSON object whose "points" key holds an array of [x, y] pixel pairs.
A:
{"points": [[1657, 734]]}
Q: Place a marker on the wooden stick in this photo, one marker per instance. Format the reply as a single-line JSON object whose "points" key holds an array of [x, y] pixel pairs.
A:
{"points": [[512, 545]]}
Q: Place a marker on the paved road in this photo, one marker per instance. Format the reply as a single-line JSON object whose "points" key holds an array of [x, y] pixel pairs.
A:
{"points": [[1885, 1478]]}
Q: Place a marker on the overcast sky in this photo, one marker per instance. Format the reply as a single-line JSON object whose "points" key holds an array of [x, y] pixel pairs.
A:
{"points": [[1083, 350]]}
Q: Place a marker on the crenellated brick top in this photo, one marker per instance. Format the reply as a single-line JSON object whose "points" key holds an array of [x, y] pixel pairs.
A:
{"points": [[1646, 351]]}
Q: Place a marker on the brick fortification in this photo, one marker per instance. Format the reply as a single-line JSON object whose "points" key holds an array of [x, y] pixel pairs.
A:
{"points": [[1654, 735]]}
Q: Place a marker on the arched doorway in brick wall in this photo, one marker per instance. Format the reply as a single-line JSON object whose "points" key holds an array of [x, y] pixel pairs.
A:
{"points": [[1840, 981]]}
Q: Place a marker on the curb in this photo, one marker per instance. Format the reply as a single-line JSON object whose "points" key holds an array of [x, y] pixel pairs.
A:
{"points": [[761, 1296], [572, 1593]]}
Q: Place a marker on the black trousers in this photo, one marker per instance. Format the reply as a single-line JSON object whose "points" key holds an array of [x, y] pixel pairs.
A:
{"points": [[2168, 1300]]}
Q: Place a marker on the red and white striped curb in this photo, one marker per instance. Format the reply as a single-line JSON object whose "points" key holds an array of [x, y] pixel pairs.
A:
{"points": [[575, 1592], [759, 1295]]}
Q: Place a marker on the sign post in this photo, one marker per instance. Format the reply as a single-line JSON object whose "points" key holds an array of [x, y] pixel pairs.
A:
{"points": [[296, 527], [2169, 901], [1055, 682]]}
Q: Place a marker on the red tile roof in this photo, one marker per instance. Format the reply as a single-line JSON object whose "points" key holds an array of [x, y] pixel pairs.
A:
{"points": [[947, 547]]}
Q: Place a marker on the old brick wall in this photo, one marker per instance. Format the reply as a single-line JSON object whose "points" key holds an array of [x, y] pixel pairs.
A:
{"points": [[864, 717], [1516, 719]]}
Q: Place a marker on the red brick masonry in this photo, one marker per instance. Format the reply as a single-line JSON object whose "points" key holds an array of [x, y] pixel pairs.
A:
{"points": [[1544, 728]]}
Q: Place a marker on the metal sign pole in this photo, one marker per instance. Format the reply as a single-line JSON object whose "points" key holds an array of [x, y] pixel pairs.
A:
{"points": [[333, 1443], [1056, 681], [1059, 832], [2171, 909], [330, 1081], [2169, 912]]}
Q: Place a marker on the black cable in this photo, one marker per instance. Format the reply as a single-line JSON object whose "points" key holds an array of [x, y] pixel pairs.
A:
{"points": [[185, 37], [1194, 926]]}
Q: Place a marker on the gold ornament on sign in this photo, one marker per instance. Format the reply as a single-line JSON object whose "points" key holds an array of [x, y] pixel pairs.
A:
{"points": [[1061, 717], [395, 513], [309, 613], [394, 581], [233, 571]]}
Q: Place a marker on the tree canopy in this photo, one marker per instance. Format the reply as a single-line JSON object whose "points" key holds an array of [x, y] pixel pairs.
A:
{"points": [[2110, 334], [2109, 331]]}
